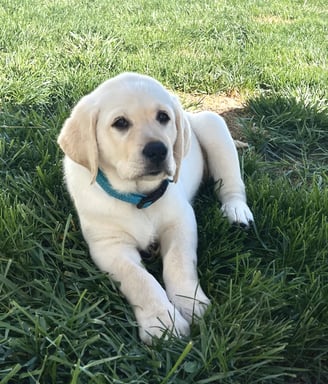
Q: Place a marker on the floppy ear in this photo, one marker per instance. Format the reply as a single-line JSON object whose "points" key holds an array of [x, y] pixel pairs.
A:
{"points": [[78, 139], [182, 143]]}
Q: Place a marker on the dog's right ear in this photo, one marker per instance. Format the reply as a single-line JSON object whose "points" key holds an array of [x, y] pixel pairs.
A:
{"points": [[182, 143], [78, 138]]}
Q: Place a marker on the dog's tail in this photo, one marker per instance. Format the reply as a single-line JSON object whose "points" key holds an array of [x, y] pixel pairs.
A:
{"points": [[240, 144]]}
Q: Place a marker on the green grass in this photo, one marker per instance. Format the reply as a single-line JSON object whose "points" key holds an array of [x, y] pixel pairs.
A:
{"points": [[61, 320]]}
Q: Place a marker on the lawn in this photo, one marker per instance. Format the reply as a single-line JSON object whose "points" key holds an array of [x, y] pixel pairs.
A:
{"points": [[61, 320]]}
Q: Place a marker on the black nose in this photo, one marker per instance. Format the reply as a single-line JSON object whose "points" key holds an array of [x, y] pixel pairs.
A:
{"points": [[155, 151]]}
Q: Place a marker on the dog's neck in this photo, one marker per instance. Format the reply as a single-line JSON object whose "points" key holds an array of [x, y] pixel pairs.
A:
{"points": [[140, 200]]}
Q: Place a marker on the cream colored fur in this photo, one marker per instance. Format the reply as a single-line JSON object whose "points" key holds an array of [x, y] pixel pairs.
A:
{"points": [[115, 230]]}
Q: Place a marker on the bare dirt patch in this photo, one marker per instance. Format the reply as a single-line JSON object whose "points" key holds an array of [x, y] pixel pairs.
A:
{"points": [[230, 108]]}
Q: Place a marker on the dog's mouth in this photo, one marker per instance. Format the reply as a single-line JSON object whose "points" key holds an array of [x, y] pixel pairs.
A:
{"points": [[154, 173], [157, 172], [153, 176], [135, 171]]}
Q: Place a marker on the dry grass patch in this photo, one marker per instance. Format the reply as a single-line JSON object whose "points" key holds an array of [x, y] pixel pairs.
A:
{"points": [[273, 19], [230, 107]]}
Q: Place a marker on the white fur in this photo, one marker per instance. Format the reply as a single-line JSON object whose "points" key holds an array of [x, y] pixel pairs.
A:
{"points": [[114, 230]]}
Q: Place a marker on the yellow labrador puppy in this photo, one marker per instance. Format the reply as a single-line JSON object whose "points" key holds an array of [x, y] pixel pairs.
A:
{"points": [[134, 160]]}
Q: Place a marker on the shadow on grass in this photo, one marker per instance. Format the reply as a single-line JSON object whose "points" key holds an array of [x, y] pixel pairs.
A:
{"points": [[288, 128]]}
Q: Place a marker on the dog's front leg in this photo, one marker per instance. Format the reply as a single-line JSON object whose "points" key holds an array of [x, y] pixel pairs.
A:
{"points": [[154, 312], [178, 248]]}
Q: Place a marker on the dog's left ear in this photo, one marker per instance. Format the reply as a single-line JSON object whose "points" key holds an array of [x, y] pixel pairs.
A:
{"points": [[78, 139], [182, 142]]}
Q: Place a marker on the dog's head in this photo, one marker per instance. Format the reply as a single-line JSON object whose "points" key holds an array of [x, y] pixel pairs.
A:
{"points": [[129, 125]]}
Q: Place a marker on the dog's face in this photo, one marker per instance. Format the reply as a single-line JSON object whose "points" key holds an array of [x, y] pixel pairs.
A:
{"points": [[136, 131], [129, 125]]}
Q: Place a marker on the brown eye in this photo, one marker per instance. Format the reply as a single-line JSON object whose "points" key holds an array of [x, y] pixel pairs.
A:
{"points": [[121, 123], [162, 117]]}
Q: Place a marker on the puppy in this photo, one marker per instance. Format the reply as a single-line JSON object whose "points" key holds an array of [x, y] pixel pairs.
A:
{"points": [[134, 160]]}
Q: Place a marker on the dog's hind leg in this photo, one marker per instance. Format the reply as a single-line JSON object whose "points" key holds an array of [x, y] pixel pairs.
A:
{"points": [[223, 165]]}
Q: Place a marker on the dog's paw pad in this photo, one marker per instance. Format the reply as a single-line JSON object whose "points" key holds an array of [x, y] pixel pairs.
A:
{"points": [[238, 213], [243, 226]]}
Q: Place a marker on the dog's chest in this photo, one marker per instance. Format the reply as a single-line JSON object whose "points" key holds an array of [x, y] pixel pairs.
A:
{"points": [[145, 230], [133, 225]]}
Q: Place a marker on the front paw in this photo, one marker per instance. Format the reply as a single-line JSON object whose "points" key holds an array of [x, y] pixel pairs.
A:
{"points": [[162, 321], [237, 212], [191, 302]]}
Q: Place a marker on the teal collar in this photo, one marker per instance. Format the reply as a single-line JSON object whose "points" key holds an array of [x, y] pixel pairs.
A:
{"points": [[138, 199]]}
